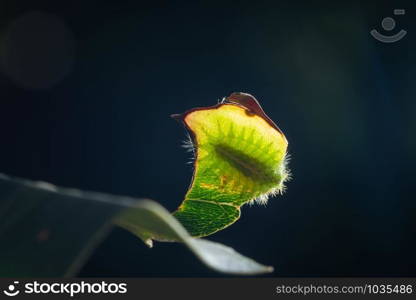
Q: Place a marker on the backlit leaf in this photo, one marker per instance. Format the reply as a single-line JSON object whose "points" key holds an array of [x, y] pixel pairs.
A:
{"points": [[50, 231]]}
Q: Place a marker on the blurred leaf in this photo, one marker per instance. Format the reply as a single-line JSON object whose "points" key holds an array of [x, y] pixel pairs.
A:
{"points": [[48, 231], [240, 158], [150, 220]]}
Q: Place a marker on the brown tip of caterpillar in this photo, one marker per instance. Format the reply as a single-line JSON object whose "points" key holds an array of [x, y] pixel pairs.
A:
{"points": [[246, 100], [253, 106]]}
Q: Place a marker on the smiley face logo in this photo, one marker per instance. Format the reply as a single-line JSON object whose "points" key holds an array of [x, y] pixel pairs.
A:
{"points": [[11, 289], [389, 24]]}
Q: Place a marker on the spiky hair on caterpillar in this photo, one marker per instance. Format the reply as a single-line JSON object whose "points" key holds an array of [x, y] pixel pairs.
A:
{"points": [[239, 156]]}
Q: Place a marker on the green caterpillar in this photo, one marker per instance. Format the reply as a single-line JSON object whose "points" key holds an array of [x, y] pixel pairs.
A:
{"points": [[240, 157]]}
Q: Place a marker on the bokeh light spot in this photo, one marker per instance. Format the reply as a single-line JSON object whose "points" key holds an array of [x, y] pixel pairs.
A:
{"points": [[37, 50]]}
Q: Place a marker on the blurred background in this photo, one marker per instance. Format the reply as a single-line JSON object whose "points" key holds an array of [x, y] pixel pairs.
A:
{"points": [[87, 87]]}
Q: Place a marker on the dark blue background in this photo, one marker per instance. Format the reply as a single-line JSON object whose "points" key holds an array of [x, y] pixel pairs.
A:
{"points": [[345, 101]]}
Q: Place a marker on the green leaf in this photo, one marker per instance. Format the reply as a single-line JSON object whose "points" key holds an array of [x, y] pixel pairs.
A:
{"points": [[240, 158], [49, 231], [46, 231], [150, 220]]}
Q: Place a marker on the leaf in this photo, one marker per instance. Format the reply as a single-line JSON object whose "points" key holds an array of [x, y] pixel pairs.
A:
{"points": [[240, 158], [149, 219], [49, 231]]}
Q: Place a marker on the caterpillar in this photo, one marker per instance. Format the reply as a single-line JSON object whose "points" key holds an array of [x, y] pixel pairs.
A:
{"points": [[240, 157]]}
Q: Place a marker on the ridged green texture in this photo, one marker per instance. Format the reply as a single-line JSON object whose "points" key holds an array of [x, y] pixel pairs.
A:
{"points": [[240, 157]]}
